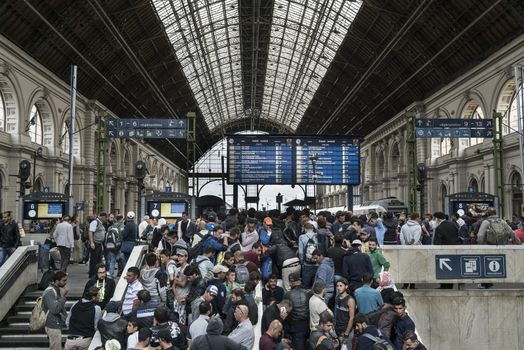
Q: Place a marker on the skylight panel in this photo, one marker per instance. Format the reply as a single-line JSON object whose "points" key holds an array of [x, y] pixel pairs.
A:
{"points": [[305, 37], [203, 33]]}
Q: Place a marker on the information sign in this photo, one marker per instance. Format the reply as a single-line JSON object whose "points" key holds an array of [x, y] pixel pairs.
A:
{"points": [[147, 128], [470, 266], [268, 159], [456, 128]]}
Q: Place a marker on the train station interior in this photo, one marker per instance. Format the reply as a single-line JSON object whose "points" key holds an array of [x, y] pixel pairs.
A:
{"points": [[288, 74]]}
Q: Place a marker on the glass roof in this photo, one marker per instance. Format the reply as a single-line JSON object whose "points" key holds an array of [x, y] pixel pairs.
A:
{"points": [[305, 36]]}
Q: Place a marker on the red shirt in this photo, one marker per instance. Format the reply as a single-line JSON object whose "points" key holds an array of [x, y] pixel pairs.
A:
{"points": [[267, 343], [520, 234], [253, 257]]}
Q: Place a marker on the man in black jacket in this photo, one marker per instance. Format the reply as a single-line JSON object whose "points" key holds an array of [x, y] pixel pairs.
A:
{"points": [[105, 285], [9, 236], [446, 232], [355, 264], [82, 320], [297, 324]]}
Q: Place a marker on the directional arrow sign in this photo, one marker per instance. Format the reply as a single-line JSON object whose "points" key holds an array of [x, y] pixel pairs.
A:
{"points": [[444, 263], [468, 266]]}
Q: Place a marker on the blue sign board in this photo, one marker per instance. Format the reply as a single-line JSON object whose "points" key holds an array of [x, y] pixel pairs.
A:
{"points": [[454, 123], [169, 189], [46, 189], [265, 159], [428, 133], [79, 206], [147, 133], [470, 266], [147, 123], [456, 128], [147, 128]]}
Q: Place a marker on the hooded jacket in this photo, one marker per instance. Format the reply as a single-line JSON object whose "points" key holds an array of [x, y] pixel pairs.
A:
{"points": [[326, 274], [153, 281], [410, 233], [354, 265], [112, 326], [214, 340]]}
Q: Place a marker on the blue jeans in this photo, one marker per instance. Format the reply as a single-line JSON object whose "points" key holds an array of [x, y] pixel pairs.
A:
{"points": [[111, 256], [5, 253], [125, 251]]}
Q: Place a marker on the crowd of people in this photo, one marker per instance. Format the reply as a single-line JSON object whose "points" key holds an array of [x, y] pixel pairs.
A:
{"points": [[325, 282]]}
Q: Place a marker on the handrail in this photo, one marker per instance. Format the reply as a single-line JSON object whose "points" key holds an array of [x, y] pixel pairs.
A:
{"points": [[16, 274], [15, 265], [135, 259]]}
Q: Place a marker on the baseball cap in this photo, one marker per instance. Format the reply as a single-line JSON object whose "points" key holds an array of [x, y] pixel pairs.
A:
{"points": [[112, 344], [294, 277], [102, 214], [130, 214], [268, 221], [181, 251], [339, 213], [356, 242], [313, 223], [219, 268], [212, 290], [211, 215]]}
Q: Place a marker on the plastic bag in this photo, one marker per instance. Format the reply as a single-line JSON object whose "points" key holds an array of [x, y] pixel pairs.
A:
{"points": [[386, 280]]}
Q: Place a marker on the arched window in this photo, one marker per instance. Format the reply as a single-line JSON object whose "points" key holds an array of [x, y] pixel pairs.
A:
{"points": [[395, 160], [472, 110], [64, 139], [473, 185], [35, 126], [507, 105], [443, 194], [3, 119], [483, 185], [445, 146]]}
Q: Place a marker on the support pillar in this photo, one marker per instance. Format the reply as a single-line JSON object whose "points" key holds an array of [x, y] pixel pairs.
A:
{"points": [[411, 161]]}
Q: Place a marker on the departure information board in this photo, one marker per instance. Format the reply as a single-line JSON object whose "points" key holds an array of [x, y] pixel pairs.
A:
{"points": [[266, 159]]}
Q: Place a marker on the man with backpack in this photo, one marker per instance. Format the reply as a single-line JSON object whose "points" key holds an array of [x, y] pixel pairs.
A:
{"points": [[369, 335], [321, 338], [53, 302], [112, 244], [153, 280], [307, 243], [495, 231]]}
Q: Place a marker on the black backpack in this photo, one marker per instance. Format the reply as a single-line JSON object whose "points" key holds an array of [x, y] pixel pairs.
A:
{"points": [[198, 248]]}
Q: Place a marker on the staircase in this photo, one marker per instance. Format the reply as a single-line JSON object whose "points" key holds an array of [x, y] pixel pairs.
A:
{"points": [[14, 329]]}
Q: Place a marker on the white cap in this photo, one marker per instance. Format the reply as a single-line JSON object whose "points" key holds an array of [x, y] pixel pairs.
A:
{"points": [[130, 214], [313, 223]]}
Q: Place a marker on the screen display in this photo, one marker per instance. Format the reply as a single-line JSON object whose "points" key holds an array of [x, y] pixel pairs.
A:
{"points": [[43, 210], [474, 208], [263, 159], [166, 209]]}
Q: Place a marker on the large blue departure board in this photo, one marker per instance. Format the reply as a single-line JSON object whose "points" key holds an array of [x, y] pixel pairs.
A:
{"points": [[278, 159]]}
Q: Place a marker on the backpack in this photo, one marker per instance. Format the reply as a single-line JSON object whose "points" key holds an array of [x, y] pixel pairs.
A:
{"points": [[242, 273], [310, 247], [196, 264], [379, 340], [113, 238], [197, 249], [497, 232], [38, 315]]}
